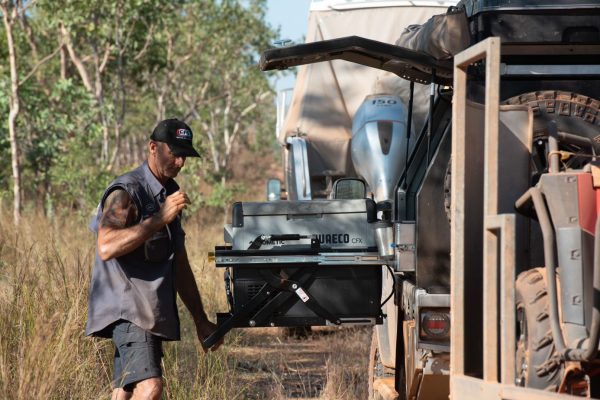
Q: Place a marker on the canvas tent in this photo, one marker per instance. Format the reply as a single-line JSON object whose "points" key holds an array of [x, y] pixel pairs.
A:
{"points": [[327, 94]]}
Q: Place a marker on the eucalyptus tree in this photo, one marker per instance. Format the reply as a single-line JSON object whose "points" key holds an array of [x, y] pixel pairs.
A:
{"points": [[86, 77], [15, 15], [210, 75], [106, 42]]}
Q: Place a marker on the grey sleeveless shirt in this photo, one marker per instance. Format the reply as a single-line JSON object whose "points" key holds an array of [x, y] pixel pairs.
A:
{"points": [[140, 286]]}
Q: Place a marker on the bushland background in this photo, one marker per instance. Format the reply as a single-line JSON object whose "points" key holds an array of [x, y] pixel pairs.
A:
{"points": [[82, 84]]}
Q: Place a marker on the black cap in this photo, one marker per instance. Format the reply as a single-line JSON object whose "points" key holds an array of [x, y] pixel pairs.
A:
{"points": [[178, 135]]}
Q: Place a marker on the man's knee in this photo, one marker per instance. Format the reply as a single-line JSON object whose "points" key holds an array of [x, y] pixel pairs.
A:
{"points": [[120, 394], [148, 389]]}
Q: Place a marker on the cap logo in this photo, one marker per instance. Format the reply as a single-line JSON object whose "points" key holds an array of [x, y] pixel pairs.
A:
{"points": [[184, 134]]}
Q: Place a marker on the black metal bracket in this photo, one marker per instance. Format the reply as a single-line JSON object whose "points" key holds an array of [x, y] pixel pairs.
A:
{"points": [[296, 287], [277, 290], [406, 63]]}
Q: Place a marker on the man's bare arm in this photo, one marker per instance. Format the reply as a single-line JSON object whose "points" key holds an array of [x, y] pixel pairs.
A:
{"points": [[188, 291], [119, 210], [116, 234]]}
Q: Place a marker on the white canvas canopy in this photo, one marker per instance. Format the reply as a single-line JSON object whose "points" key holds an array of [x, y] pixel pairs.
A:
{"points": [[327, 94]]}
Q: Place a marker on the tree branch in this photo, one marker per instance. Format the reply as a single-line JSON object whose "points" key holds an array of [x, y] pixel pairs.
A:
{"points": [[29, 35], [76, 60], [24, 8], [105, 58], [39, 64], [143, 50]]}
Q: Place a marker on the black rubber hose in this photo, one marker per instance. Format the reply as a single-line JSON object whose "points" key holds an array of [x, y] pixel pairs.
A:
{"points": [[393, 287]]}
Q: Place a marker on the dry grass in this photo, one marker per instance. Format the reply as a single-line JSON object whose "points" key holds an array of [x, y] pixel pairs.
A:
{"points": [[44, 275], [330, 363], [347, 365], [45, 271]]}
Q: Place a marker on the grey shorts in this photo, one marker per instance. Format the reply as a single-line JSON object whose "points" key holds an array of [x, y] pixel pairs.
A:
{"points": [[137, 355]]}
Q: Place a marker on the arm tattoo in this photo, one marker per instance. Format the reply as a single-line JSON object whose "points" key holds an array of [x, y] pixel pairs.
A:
{"points": [[119, 210]]}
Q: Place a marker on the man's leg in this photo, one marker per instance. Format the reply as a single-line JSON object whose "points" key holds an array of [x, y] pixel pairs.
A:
{"points": [[138, 373], [148, 389], [120, 394]]}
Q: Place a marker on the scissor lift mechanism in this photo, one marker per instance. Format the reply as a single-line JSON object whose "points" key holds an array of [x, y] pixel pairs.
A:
{"points": [[287, 275]]}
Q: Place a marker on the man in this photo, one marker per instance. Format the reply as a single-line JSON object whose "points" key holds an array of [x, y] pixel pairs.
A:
{"points": [[141, 262]]}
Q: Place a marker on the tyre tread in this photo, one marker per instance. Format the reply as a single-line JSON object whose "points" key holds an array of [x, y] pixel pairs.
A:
{"points": [[544, 366]]}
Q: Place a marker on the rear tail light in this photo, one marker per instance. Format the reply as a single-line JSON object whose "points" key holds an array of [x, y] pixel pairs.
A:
{"points": [[434, 324]]}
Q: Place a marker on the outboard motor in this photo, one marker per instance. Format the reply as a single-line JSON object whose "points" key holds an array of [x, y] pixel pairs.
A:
{"points": [[379, 149], [380, 144]]}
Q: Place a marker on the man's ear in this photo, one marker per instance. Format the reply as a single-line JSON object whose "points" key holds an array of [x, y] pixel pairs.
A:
{"points": [[152, 147]]}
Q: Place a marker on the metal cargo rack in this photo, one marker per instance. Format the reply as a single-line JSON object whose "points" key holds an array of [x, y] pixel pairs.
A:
{"points": [[299, 279]]}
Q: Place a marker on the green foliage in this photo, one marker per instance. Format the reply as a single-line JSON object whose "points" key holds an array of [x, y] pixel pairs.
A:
{"points": [[193, 59], [222, 195], [190, 180], [212, 74], [60, 140]]}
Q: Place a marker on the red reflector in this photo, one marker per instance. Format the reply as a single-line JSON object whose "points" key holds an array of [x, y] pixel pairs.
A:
{"points": [[432, 324], [435, 324]]}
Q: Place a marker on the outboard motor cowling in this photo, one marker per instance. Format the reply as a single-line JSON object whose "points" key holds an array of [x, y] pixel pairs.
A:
{"points": [[379, 143]]}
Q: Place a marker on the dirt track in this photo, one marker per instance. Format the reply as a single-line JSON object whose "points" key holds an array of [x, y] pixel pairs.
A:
{"points": [[330, 363]]}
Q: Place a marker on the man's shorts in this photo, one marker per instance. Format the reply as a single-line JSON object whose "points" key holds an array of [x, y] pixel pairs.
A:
{"points": [[137, 355]]}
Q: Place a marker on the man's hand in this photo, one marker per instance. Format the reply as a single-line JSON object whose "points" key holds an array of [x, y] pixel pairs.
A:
{"points": [[173, 206], [204, 329]]}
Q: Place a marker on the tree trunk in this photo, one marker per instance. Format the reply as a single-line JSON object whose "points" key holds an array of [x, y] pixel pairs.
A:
{"points": [[14, 153], [13, 110], [113, 162], [93, 88], [121, 95], [63, 62]]}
